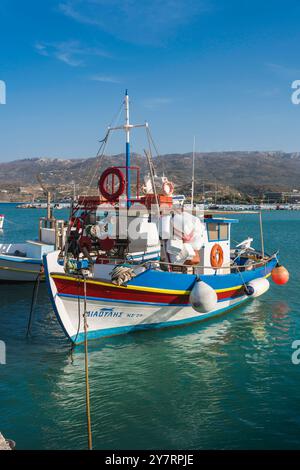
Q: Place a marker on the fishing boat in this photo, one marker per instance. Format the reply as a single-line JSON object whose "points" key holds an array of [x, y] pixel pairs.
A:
{"points": [[134, 260], [23, 262]]}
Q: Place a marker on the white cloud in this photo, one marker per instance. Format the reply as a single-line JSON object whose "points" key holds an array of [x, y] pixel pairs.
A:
{"points": [[104, 78], [72, 53], [69, 10], [136, 21], [263, 92], [42, 49], [153, 103], [283, 71]]}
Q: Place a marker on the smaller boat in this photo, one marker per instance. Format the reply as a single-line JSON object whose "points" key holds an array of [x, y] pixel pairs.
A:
{"points": [[1, 221], [23, 262]]}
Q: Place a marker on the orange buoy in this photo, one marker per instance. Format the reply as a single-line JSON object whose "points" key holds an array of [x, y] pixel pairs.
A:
{"points": [[280, 275]]}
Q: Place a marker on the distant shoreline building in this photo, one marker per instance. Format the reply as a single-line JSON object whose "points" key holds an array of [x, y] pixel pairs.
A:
{"points": [[287, 197]]}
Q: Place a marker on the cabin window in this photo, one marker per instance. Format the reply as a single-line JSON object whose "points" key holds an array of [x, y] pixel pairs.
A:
{"points": [[223, 232], [213, 232], [217, 232]]}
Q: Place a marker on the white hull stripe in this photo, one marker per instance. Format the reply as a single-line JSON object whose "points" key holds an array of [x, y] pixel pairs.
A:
{"points": [[100, 333], [102, 299]]}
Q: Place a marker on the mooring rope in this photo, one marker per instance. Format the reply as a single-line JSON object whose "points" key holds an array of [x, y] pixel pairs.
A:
{"points": [[34, 296], [245, 285], [79, 319], [86, 363]]}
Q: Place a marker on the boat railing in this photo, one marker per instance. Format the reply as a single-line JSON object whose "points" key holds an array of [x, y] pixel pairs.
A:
{"points": [[190, 268]]}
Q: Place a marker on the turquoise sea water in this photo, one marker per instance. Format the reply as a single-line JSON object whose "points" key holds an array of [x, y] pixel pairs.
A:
{"points": [[228, 383]]}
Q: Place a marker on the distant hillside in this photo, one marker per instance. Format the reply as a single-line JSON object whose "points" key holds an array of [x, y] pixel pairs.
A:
{"points": [[246, 172]]}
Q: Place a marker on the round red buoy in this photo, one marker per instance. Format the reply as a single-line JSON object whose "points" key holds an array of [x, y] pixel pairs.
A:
{"points": [[280, 275]]}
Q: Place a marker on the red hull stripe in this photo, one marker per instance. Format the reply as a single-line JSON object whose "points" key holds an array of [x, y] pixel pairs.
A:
{"points": [[75, 288]]}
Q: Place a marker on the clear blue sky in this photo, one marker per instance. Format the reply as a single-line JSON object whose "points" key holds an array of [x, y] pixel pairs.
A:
{"points": [[217, 69]]}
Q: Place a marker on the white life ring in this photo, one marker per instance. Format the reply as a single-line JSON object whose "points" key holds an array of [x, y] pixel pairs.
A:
{"points": [[168, 188]]}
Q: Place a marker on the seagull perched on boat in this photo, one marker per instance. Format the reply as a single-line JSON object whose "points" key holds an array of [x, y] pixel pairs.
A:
{"points": [[246, 244]]}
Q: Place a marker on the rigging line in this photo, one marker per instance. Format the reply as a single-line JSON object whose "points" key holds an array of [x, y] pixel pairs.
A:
{"points": [[116, 118], [102, 149], [81, 169], [152, 173], [150, 164], [114, 121], [99, 155], [103, 141], [98, 164], [150, 150], [156, 149]]}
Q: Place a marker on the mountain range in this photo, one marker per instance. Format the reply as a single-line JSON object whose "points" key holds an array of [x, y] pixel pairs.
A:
{"points": [[249, 173]]}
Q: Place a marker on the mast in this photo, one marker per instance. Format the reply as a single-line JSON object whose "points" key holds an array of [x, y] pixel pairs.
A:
{"points": [[193, 173], [127, 128], [127, 131]]}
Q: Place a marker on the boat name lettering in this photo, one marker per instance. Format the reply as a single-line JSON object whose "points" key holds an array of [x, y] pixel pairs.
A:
{"points": [[104, 312]]}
